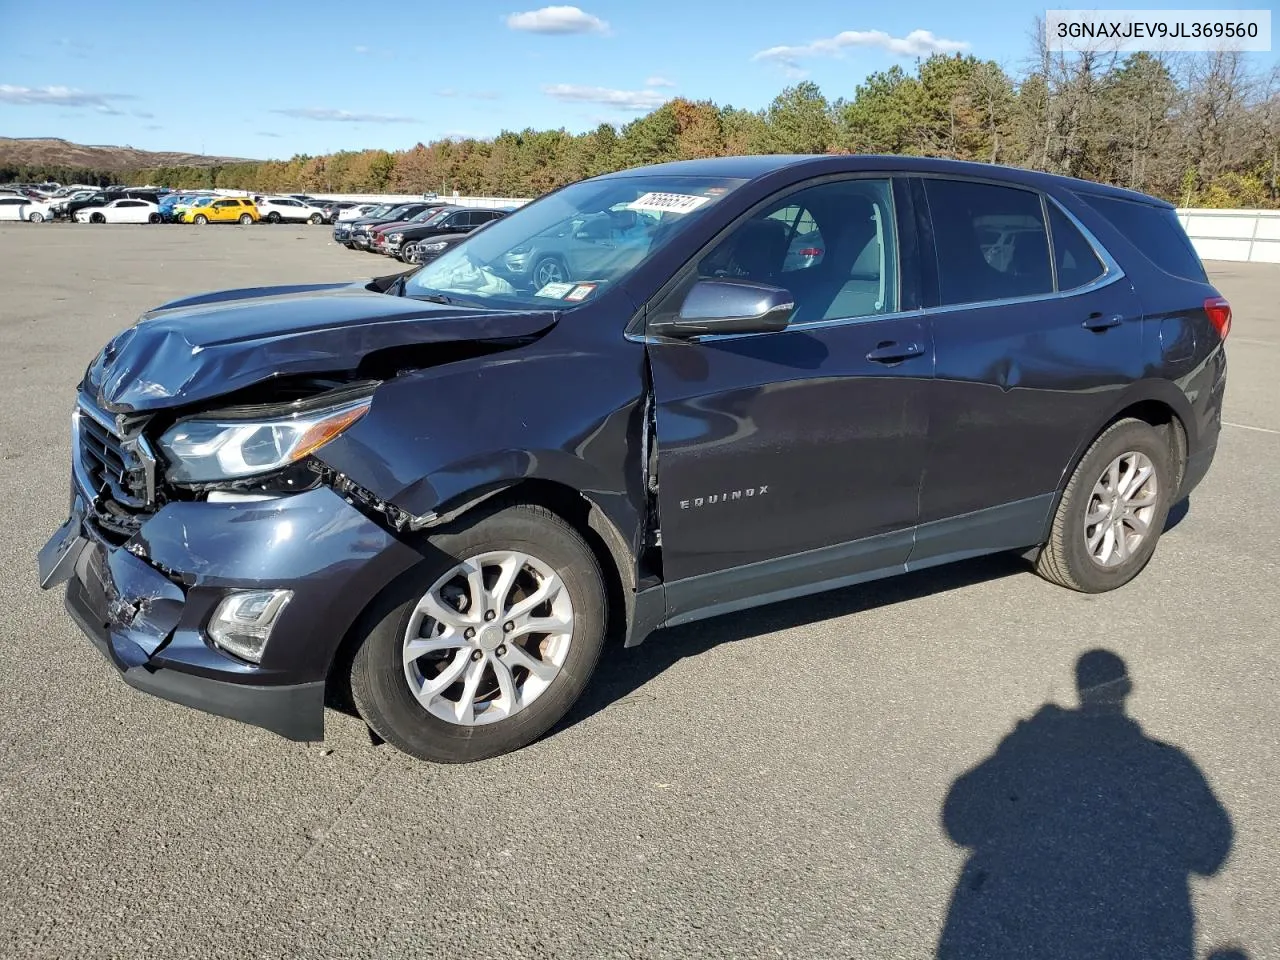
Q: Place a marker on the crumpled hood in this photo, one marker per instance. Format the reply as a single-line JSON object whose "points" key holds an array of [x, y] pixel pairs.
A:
{"points": [[203, 347]]}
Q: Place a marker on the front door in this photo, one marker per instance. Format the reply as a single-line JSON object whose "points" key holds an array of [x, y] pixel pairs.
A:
{"points": [[807, 444], [1037, 335]]}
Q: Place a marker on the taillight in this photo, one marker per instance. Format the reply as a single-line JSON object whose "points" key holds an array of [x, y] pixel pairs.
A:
{"points": [[1219, 313], [811, 252]]}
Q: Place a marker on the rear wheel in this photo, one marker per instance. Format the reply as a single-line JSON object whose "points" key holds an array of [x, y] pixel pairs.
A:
{"points": [[273, 217], [154, 218], [35, 217], [200, 220], [97, 218], [1113, 511], [483, 650], [245, 219]]}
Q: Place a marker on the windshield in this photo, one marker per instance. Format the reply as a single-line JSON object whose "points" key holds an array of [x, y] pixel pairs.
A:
{"points": [[571, 245]]}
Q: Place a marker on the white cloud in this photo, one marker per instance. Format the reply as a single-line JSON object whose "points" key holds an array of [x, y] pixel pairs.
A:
{"points": [[341, 116], [659, 82], [58, 97], [557, 20], [637, 100], [917, 43]]}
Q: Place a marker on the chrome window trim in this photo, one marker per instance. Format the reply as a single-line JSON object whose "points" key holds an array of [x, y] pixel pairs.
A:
{"points": [[1112, 272]]}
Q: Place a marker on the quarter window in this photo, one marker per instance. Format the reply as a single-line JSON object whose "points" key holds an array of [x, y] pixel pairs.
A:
{"points": [[832, 246], [1073, 256], [991, 241]]}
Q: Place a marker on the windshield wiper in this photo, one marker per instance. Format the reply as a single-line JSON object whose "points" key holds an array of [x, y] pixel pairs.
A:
{"points": [[450, 301]]}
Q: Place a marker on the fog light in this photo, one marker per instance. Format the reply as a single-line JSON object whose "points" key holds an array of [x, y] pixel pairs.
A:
{"points": [[243, 620]]}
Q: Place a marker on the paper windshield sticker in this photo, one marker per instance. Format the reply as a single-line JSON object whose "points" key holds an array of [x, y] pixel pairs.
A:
{"points": [[668, 203], [555, 291], [581, 291]]}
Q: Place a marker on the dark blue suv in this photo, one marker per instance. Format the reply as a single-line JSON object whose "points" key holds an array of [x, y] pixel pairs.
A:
{"points": [[757, 378]]}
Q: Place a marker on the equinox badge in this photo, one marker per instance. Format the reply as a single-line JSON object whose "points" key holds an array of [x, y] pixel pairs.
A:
{"points": [[725, 497]]}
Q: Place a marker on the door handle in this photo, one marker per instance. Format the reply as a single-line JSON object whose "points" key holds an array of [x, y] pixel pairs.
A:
{"points": [[1097, 322], [891, 351]]}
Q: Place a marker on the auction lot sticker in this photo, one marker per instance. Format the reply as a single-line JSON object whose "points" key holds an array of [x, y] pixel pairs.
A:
{"points": [[668, 203], [555, 291], [581, 291]]}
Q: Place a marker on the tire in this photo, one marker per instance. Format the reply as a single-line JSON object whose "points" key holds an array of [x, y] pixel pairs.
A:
{"points": [[35, 217], [408, 253], [154, 218], [549, 270], [273, 217], [200, 220], [1067, 559], [315, 220], [380, 678], [97, 218], [246, 219]]}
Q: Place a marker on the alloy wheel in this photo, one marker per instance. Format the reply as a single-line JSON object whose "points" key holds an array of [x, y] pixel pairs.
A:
{"points": [[488, 638], [548, 271], [1121, 509]]}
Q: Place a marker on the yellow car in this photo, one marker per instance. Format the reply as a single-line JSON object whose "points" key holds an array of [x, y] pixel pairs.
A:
{"points": [[221, 210]]}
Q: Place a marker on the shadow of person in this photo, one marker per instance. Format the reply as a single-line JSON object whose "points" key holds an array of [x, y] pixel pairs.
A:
{"points": [[1084, 833]]}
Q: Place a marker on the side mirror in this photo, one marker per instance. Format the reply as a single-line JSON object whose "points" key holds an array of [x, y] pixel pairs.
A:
{"points": [[728, 306]]}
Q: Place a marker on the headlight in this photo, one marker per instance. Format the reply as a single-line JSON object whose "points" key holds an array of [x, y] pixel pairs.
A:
{"points": [[432, 246], [208, 449], [396, 236]]}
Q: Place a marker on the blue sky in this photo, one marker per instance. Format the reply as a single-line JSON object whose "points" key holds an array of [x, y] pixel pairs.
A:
{"points": [[271, 78]]}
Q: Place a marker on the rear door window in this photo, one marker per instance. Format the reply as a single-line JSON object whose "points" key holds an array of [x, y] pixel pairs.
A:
{"points": [[991, 241], [1073, 256], [1155, 231]]}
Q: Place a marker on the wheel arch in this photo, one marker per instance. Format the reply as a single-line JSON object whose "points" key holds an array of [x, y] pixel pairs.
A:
{"points": [[1159, 403], [611, 550]]}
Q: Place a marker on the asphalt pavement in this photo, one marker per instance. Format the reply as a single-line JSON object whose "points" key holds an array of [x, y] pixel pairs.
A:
{"points": [[773, 783]]}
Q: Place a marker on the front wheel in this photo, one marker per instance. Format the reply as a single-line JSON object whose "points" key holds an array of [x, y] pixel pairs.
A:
{"points": [[200, 220], [97, 218], [245, 219], [315, 219], [482, 651], [1113, 510], [35, 217]]}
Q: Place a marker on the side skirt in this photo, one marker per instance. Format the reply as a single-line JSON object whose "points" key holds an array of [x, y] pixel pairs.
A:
{"points": [[1009, 526]]}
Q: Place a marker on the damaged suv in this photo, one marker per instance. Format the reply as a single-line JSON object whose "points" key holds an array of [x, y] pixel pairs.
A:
{"points": [[443, 489]]}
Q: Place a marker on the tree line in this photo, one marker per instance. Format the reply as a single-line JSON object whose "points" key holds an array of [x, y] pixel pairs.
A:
{"points": [[1199, 130]]}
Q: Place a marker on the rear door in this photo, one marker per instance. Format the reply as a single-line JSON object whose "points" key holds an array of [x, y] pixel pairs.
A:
{"points": [[1037, 332], [807, 444]]}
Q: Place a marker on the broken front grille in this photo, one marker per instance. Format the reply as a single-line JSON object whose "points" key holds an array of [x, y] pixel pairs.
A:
{"points": [[118, 470]]}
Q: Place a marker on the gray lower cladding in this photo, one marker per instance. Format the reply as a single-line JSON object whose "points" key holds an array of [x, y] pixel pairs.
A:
{"points": [[1009, 526], [294, 711]]}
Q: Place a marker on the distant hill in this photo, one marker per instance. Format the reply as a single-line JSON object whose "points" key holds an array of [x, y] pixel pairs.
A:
{"points": [[55, 152]]}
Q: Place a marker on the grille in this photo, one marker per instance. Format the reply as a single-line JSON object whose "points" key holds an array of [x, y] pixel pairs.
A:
{"points": [[112, 469]]}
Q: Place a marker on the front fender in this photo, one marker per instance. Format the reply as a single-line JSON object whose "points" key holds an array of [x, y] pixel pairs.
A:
{"points": [[439, 437]]}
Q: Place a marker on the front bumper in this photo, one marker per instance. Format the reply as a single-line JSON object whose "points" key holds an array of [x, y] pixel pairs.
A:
{"points": [[145, 603]]}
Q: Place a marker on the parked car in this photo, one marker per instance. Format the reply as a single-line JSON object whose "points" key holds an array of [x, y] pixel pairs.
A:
{"points": [[361, 230], [344, 228], [278, 209], [126, 210], [440, 488], [378, 232], [219, 210], [580, 248], [392, 240], [358, 210], [430, 248], [16, 207], [330, 209]]}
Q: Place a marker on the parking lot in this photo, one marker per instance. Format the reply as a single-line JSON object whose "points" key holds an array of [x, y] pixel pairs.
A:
{"points": [[765, 784]]}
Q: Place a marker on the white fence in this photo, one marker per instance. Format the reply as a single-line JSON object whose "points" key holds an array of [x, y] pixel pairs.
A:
{"points": [[1243, 236], [488, 203]]}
